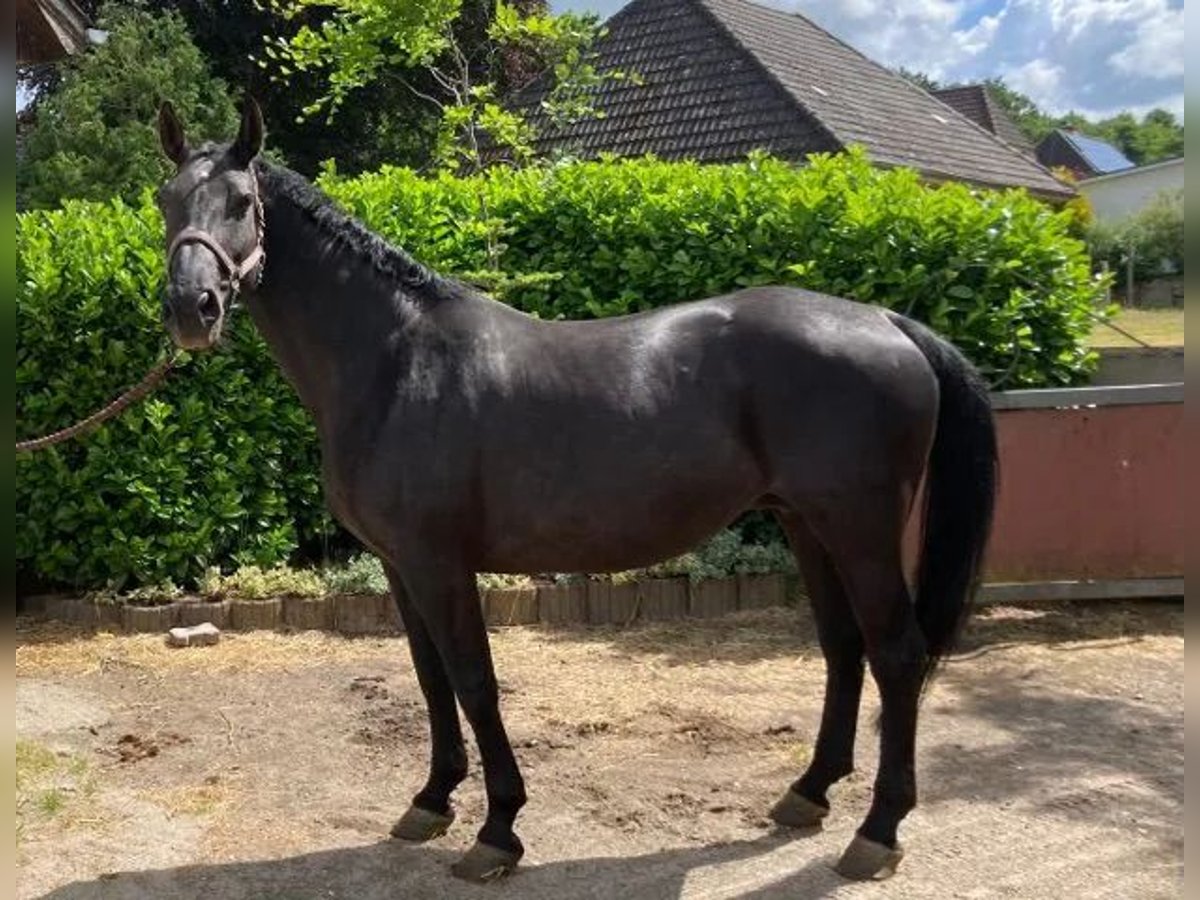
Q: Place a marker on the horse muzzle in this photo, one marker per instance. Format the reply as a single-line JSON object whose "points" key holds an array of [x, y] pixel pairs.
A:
{"points": [[193, 316]]}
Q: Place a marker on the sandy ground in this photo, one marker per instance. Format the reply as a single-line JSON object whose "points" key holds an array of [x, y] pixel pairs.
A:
{"points": [[1051, 763]]}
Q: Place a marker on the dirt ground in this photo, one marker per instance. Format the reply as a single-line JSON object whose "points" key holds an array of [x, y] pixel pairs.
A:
{"points": [[1051, 763]]}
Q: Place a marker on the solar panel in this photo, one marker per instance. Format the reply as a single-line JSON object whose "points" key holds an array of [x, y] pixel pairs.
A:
{"points": [[1100, 155]]}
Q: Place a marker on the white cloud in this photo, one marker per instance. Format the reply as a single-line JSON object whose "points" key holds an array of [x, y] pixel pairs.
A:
{"points": [[1037, 78], [1157, 50], [979, 37], [1092, 56], [1096, 57]]}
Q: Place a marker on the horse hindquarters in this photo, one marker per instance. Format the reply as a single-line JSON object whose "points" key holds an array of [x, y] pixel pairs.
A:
{"points": [[861, 531]]}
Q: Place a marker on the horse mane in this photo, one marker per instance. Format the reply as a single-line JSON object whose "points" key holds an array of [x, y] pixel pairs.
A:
{"points": [[388, 260]]}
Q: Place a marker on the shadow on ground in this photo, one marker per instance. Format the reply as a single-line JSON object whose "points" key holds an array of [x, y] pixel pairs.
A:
{"points": [[390, 869], [1126, 756]]}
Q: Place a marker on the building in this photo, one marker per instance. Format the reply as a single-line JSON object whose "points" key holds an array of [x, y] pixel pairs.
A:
{"points": [[1126, 192], [48, 30], [723, 77], [977, 103], [1084, 156]]}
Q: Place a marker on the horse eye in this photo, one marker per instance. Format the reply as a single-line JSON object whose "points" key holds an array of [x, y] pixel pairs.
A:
{"points": [[239, 205]]}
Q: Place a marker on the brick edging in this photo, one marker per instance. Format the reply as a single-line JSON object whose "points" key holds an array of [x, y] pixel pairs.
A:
{"points": [[583, 602]]}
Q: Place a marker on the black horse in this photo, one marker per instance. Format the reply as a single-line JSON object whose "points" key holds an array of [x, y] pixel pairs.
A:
{"points": [[459, 435]]}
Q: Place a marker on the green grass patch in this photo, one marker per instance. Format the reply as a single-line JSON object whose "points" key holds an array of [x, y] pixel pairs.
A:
{"points": [[48, 783], [33, 761], [1156, 327], [51, 802]]}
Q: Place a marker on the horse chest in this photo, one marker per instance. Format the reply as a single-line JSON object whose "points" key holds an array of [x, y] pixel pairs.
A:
{"points": [[377, 496]]}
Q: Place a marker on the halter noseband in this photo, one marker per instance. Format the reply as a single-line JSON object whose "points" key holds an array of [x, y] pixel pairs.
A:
{"points": [[234, 272]]}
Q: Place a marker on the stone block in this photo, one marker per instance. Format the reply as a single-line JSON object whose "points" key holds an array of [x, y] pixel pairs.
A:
{"points": [[203, 635]]}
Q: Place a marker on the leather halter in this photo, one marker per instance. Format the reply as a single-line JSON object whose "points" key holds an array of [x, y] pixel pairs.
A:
{"points": [[234, 272]]}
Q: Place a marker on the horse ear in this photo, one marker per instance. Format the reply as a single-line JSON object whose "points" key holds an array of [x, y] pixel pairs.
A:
{"points": [[170, 134], [250, 135]]}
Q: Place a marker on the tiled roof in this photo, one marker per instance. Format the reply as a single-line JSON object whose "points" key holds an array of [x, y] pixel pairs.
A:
{"points": [[978, 104], [722, 77], [702, 96], [1102, 156]]}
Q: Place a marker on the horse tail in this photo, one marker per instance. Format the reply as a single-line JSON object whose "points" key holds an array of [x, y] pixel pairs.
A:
{"points": [[960, 495]]}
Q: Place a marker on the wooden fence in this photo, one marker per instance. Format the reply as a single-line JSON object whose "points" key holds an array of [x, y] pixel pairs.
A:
{"points": [[584, 601], [1091, 493]]}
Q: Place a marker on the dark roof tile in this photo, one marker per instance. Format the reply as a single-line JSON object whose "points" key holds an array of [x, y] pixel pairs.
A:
{"points": [[977, 103], [743, 76]]}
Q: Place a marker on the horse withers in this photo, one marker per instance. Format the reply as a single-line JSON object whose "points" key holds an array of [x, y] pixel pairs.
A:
{"points": [[459, 435]]}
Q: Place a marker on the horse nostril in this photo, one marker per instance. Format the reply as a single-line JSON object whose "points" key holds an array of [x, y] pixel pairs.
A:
{"points": [[209, 307], [168, 310]]}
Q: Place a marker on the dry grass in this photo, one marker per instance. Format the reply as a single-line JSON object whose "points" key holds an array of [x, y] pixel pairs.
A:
{"points": [[191, 800], [46, 648], [747, 639], [1157, 327]]}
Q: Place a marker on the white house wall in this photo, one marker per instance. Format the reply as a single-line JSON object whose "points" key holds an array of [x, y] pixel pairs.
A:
{"points": [[1122, 194]]}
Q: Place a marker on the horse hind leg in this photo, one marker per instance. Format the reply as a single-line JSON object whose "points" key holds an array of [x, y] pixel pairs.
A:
{"points": [[806, 802], [864, 540]]}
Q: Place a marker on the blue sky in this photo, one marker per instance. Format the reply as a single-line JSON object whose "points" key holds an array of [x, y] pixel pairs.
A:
{"points": [[1094, 56]]}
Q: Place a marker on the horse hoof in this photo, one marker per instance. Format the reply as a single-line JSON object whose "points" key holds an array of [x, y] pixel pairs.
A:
{"points": [[419, 825], [483, 863], [865, 860], [796, 811]]}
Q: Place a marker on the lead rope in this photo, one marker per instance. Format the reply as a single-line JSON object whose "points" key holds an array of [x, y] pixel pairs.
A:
{"points": [[131, 396]]}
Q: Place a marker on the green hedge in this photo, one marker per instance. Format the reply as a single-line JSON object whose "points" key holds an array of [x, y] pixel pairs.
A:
{"points": [[999, 274], [220, 466], [1154, 235]]}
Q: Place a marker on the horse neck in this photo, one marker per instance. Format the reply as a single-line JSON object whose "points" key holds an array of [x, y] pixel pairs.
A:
{"points": [[325, 314]]}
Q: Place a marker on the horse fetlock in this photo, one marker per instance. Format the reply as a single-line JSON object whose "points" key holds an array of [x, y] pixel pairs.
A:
{"points": [[497, 832], [448, 777]]}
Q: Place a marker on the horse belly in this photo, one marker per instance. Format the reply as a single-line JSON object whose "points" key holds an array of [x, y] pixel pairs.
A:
{"points": [[613, 513]]}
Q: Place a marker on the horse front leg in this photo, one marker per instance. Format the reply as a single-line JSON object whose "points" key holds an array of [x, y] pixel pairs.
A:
{"points": [[431, 813], [448, 604]]}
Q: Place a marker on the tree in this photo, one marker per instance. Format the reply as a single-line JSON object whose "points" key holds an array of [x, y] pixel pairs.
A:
{"points": [[1159, 136], [386, 124], [94, 136], [421, 45], [920, 79], [1150, 242]]}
